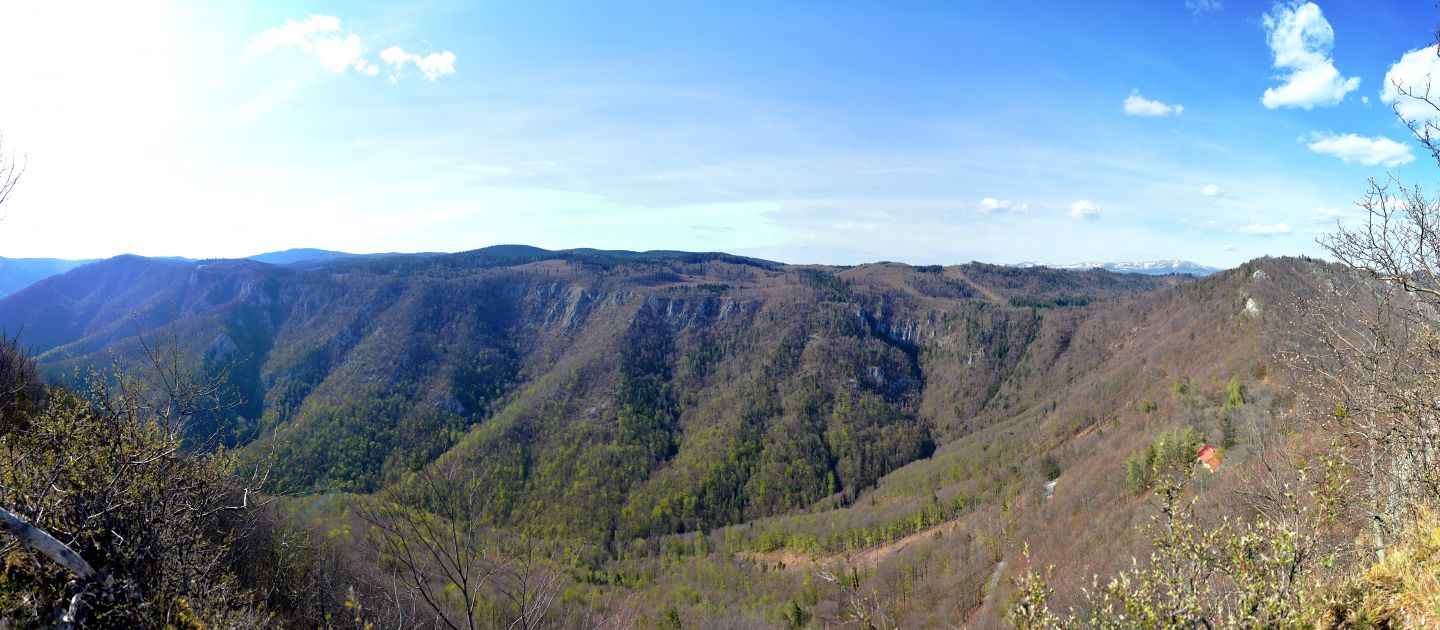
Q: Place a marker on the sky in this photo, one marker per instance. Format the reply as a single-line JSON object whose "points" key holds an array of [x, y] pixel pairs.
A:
{"points": [[809, 132]]}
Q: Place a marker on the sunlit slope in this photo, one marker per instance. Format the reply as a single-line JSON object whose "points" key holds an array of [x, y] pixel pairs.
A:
{"points": [[936, 540], [606, 395]]}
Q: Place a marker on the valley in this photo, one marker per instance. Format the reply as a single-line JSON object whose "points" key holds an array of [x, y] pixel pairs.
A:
{"points": [[672, 416]]}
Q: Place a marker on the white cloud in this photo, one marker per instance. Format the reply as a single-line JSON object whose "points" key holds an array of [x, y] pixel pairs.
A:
{"points": [[320, 36], [433, 65], [339, 54], [1301, 40], [1324, 214], [1084, 210], [990, 204], [1413, 73], [1201, 7], [1261, 229], [1211, 190], [293, 34], [1228, 247], [1364, 150], [1136, 105]]}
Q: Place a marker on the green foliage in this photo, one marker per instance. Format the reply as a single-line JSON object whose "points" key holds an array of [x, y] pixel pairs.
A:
{"points": [[1023, 301], [1028, 607], [106, 473], [344, 447], [830, 286], [671, 620], [1049, 467], [718, 288], [795, 616], [1238, 573], [1169, 451], [646, 409], [1185, 393], [838, 540], [1234, 393]]}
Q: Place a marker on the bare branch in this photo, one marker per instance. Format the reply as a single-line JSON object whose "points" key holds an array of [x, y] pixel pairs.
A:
{"points": [[41, 541]]}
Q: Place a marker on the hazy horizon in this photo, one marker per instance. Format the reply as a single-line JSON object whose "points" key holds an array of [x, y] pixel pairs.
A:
{"points": [[1051, 263]]}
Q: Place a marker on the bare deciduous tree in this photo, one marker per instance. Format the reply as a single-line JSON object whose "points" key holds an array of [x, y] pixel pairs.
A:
{"points": [[1367, 367], [430, 533], [1370, 358], [10, 171], [863, 608]]}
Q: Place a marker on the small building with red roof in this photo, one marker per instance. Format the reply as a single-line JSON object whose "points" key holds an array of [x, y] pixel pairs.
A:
{"points": [[1210, 457]]}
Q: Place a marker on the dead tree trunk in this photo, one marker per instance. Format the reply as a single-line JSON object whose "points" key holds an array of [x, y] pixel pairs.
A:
{"points": [[41, 541]]}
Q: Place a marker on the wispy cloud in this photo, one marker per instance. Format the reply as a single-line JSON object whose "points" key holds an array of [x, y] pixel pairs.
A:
{"points": [[1136, 105], [322, 37], [1211, 190], [990, 205], [1201, 7], [1262, 229], [432, 66], [1084, 210], [1352, 148], [1324, 214], [1301, 40]]}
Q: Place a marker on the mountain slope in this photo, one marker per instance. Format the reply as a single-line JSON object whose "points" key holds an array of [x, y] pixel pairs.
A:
{"points": [[714, 430], [606, 395], [935, 541]]}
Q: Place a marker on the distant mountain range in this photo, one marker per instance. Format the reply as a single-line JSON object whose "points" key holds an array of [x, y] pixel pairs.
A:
{"points": [[312, 255], [18, 273], [1149, 267]]}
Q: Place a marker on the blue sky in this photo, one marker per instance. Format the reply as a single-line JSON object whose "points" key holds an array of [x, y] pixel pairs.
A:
{"points": [[835, 132]]}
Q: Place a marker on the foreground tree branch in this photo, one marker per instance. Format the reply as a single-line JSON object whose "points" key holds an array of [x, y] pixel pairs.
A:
{"points": [[41, 541], [10, 172]]}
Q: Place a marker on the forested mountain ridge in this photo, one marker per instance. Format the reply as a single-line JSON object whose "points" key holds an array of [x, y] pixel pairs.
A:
{"points": [[610, 394], [18, 273], [709, 435]]}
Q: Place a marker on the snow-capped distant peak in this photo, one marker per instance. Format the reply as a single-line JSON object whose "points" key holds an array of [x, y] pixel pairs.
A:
{"points": [[1149, 267]]}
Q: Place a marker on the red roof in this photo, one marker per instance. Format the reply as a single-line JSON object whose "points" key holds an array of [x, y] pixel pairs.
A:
{"points": [[1210, 457]]}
